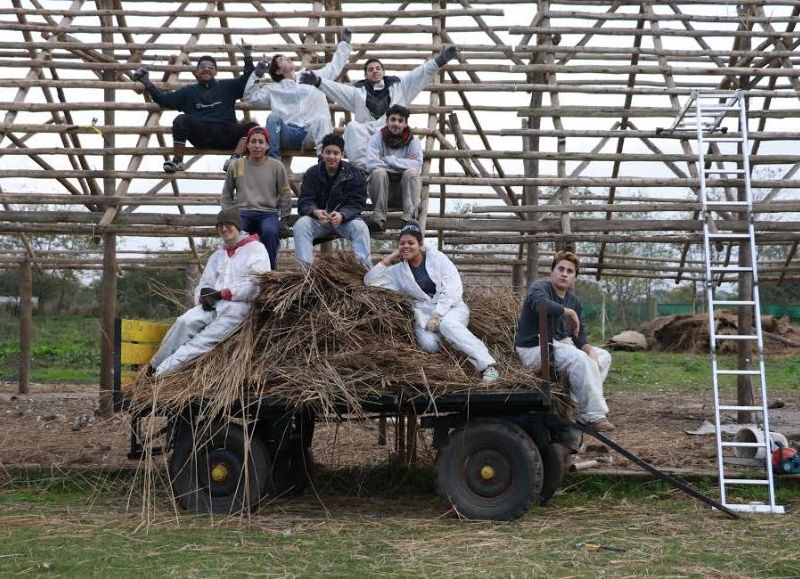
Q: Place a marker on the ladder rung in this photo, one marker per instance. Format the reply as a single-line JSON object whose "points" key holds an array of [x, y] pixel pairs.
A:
{"points": [[734, 337], [731, 203], [744, 444], [739, 372], [723, 139], [729, 236], [746, 481], [734, 303], [734, 407], [719, 108]]}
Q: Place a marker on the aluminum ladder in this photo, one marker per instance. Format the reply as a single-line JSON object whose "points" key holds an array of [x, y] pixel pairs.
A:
{"points": [[706, 114]]}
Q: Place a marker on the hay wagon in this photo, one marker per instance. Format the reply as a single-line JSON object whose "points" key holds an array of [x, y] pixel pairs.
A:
{"points": [[499, 452]]}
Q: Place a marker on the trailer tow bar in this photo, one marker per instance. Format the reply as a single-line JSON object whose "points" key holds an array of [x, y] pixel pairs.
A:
{"points": [[685, 487]]}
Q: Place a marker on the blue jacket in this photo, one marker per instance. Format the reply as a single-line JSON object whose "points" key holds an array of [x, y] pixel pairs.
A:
{"points": [[347, 194], [214, 102]]}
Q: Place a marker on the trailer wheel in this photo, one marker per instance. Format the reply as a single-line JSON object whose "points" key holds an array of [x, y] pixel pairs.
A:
{"points": [[554, 461], [291, 471], [208, 473], [490, 470]]}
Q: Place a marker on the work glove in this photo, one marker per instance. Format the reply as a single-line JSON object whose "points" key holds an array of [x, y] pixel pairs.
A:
{"points": [[247, 49], [261, 68], [209, 298], [141, 75], [308, 77], [433, 323], [345, 34], [446, 54], [283, 230]]}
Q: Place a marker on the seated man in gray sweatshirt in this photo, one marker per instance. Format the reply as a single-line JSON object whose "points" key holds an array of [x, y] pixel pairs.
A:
{"points": [[394, 163], [259, 187]]}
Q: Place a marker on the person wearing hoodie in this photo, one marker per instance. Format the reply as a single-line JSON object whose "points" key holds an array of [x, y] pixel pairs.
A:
{"points": [[432, 282], [369, 99], [223, 297], [300, 115], [332, 196], [208, 118]]}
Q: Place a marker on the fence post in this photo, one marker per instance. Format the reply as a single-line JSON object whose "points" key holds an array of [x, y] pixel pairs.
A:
{"points": [[603, 319], [25, 325]]}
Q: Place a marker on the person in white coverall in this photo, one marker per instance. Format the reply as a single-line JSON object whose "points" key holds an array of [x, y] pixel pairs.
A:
{"points": [[223, 297], [369, 99], [299, 113], [585, 366], [431, 280]]}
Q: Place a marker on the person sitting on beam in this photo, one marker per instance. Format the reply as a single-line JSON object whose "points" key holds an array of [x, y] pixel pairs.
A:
{"points": [[208, 118]]}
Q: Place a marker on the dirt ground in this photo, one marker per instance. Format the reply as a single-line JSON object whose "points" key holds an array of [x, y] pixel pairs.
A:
{"points": [[55, 425]]}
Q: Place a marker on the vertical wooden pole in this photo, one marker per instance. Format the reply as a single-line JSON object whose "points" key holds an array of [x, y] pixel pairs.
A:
{"points": [[744, 383], [109, 286], [603, 319], [382, 430], [411, 440], [25, 325]]}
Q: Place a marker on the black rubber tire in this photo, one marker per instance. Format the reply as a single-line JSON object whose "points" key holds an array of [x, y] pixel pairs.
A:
{"points": [[222, 447], [514, 479], [554, 460], [291, 471]]}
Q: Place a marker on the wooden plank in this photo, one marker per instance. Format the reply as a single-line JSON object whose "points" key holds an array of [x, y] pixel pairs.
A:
{"points": [[137, 354], [143, 331]]}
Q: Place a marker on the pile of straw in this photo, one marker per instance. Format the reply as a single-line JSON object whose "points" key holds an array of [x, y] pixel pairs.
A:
{"points": [[323, 338]]}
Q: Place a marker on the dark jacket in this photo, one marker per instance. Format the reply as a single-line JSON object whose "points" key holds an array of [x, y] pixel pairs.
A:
{"points": [[214, 102], [543, 294], [347, 194]]}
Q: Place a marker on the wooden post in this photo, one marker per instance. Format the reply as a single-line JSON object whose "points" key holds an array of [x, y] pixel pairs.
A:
{"points": [[603, 319], [411, 440], [109, 286], [25, 325], [382, 430]]}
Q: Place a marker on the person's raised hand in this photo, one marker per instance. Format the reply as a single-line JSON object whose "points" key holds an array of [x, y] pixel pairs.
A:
{"points": [[261, 67], [446, 54], [345, 34], [141, 75], [308, 77], [247, 49]]}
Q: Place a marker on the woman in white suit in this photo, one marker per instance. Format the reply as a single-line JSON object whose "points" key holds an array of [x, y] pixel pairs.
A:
{"points": [[429, 278]]}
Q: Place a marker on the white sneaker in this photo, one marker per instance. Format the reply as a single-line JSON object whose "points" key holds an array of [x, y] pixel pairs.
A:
{"points": [[490, 374]]}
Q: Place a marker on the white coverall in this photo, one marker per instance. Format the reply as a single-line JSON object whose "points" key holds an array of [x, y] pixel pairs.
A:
{"points": [[585, 377], [300, 104], [354, 99], [446, 302], [198, 331]]}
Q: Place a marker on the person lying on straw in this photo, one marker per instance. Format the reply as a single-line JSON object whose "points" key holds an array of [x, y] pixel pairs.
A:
{"points": [[431, 280], [223, 296]]}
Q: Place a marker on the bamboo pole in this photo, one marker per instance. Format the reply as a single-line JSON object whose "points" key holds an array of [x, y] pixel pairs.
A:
{"points": [[25, 325]]}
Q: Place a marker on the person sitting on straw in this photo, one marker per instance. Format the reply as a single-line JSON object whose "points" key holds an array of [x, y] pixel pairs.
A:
{"points": [[394, 162], [223, 296], [369, 99], [259, 187], [209, 119], [585, 366], [299, 113], [332, 197], [431, 280]]}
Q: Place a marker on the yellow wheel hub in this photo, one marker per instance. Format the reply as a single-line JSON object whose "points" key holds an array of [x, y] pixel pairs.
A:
{"points": [[219, 473], [487, 472]]}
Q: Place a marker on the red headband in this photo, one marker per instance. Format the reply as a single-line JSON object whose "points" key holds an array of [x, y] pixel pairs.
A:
{"points": [[261, 130]]}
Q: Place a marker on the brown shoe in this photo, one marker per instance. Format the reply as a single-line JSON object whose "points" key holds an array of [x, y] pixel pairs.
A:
{"points": [[603, 425]]}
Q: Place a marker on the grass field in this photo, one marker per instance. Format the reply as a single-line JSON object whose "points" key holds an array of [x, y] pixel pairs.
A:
{"points": [[67, 349], [75, 526]]}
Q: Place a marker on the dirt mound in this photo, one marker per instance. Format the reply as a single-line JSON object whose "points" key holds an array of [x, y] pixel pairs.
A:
{"points": [[628, 341], [689, 333]]}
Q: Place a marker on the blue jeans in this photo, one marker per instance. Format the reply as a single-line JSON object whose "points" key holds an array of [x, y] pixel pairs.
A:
{"points": [[283, 136], [266, 225], [307, 229]]}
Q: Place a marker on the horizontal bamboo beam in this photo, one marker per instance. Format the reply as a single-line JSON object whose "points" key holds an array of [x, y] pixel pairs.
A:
{"points": [[664, 32], [251, 14], [655, 69], [644, 206], [680, 17], [762, 159]]}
